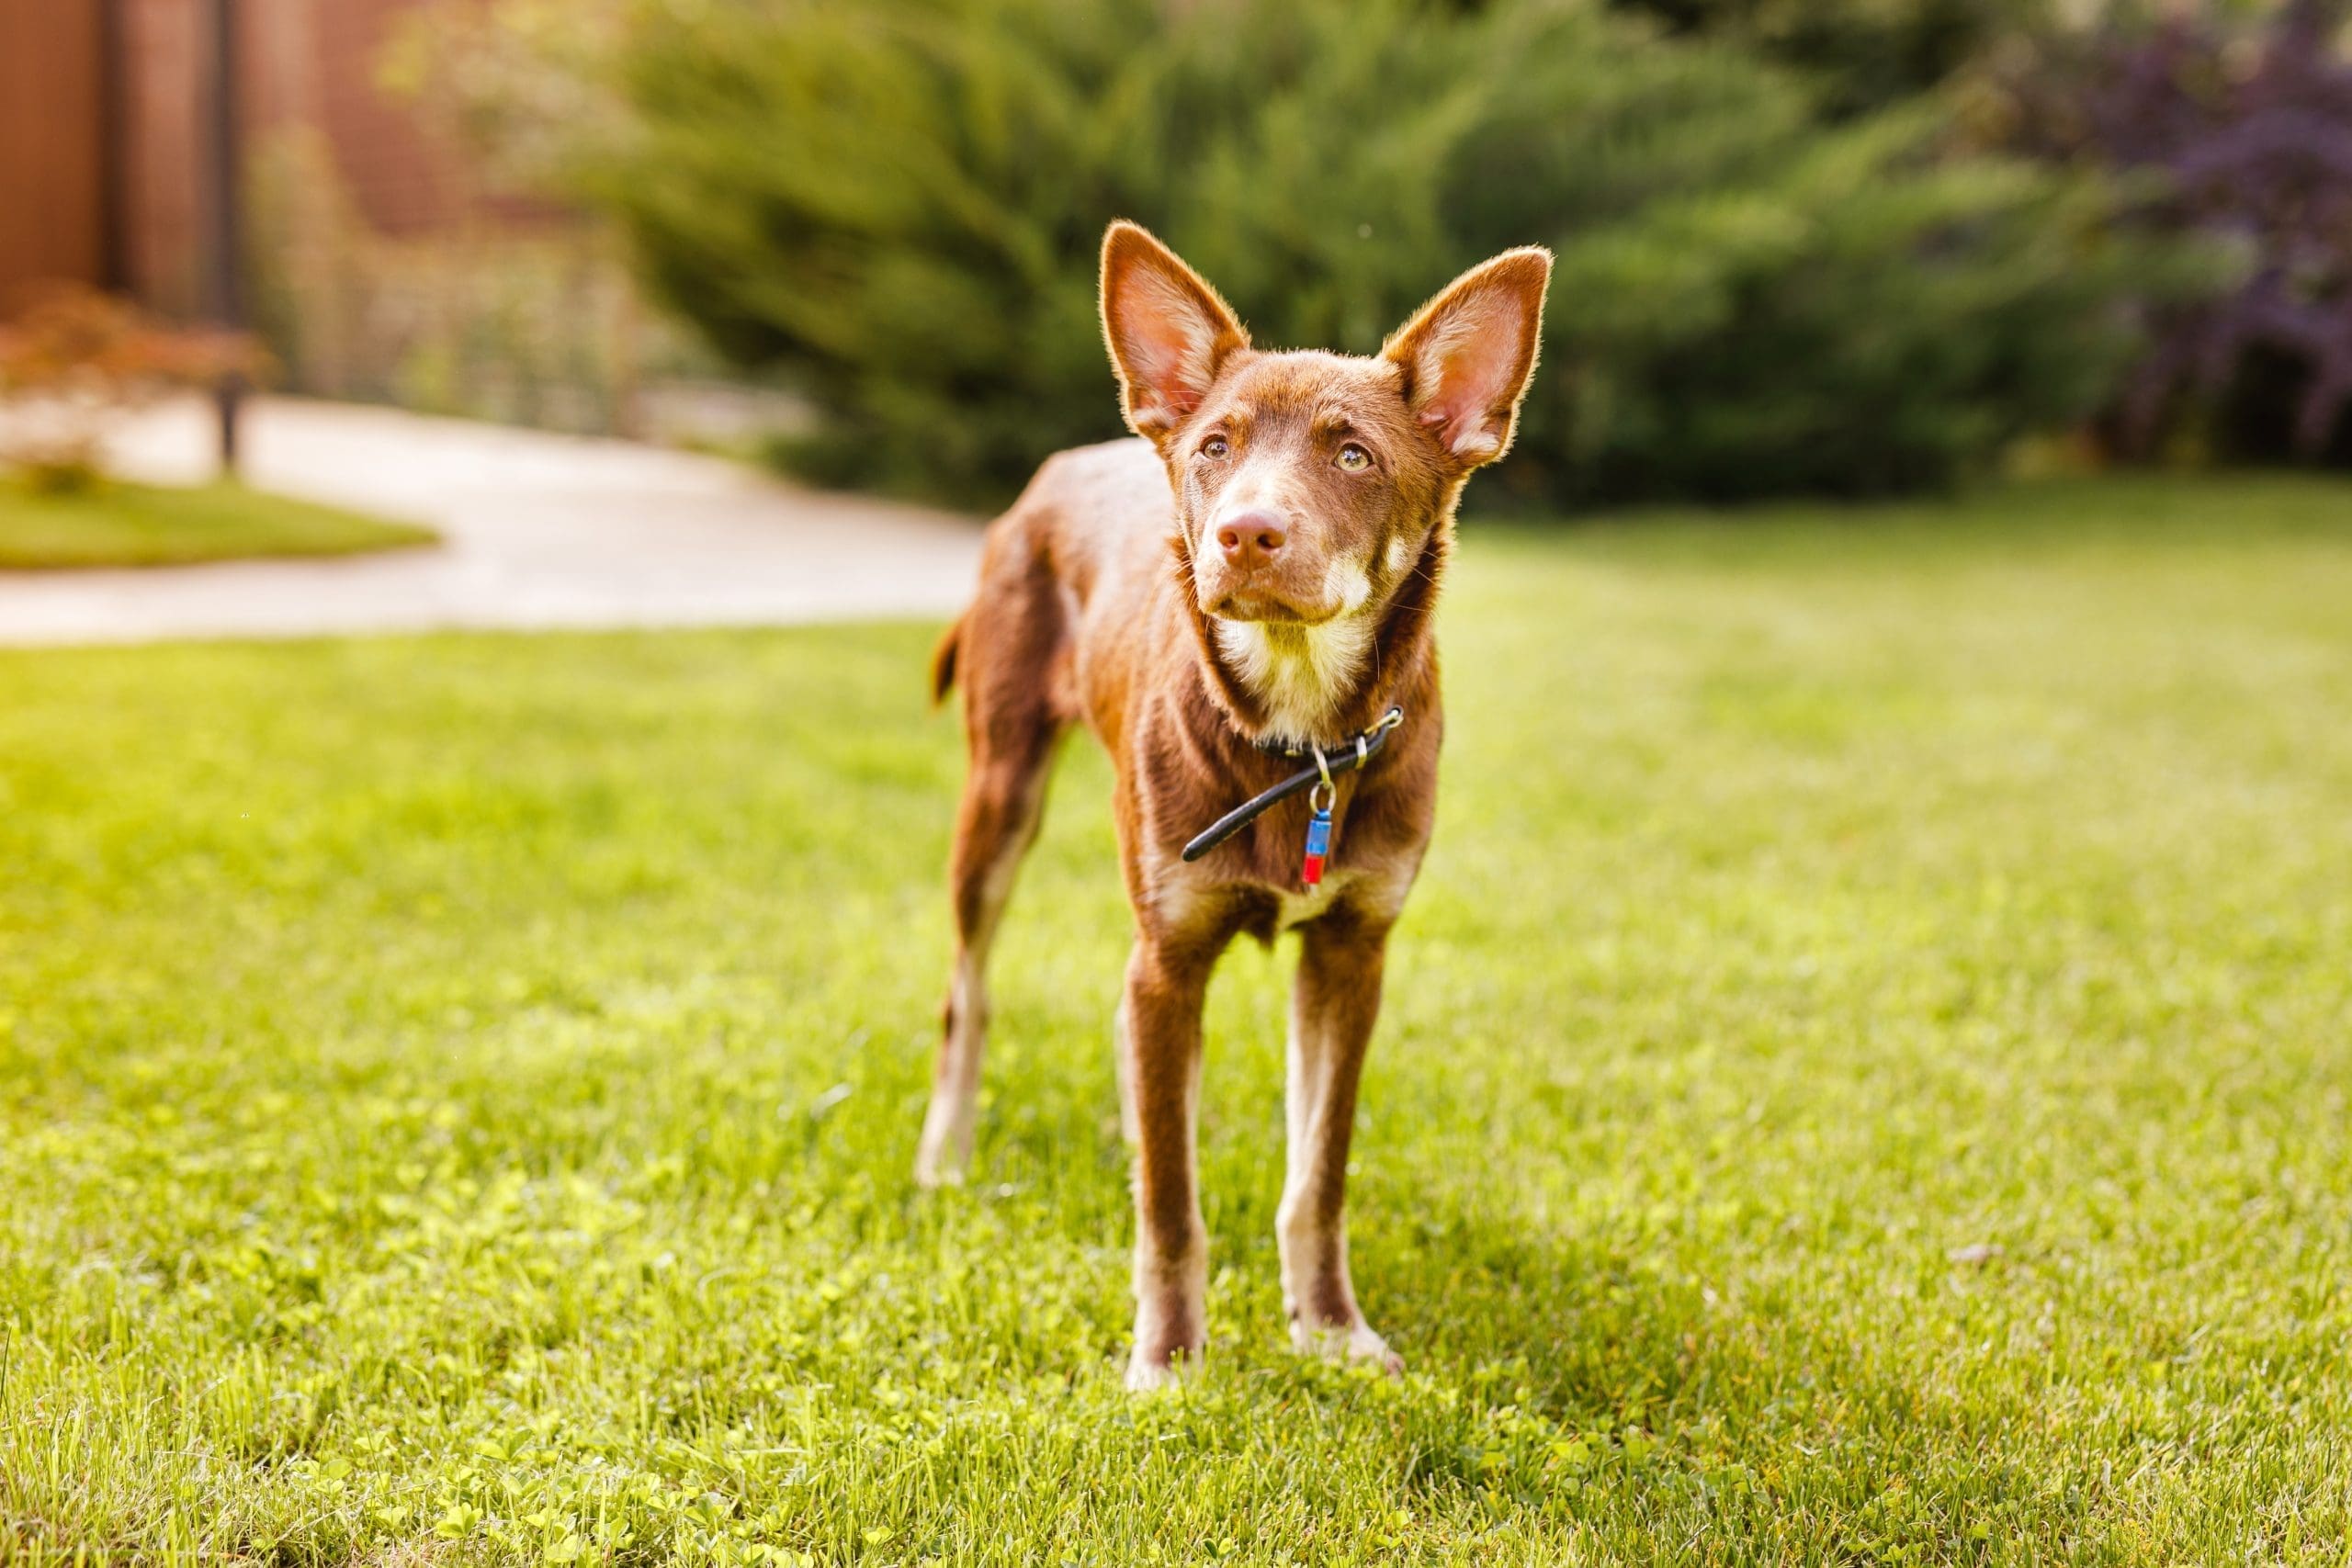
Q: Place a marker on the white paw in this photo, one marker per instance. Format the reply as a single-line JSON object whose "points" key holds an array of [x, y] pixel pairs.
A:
{"points": [[1351, 1342], [1146, 1372], [935, 1168]]}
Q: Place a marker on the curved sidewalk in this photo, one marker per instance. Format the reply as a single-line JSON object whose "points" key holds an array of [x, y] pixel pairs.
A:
{"points": [[537, 531]]}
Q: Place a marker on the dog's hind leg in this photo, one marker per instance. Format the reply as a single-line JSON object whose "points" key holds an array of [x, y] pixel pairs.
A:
{"points": [[1012, 729]]}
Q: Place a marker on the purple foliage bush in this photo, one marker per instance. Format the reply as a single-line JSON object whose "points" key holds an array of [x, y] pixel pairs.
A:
{"points": [[2249, 131]]}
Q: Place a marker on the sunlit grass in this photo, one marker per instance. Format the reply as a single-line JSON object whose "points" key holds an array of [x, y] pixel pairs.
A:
{"points": [[1864, 1079], [117, 523]]}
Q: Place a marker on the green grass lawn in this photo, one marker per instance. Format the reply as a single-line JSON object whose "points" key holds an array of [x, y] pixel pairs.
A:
{"points": [[1865, 1079], [130, 525]]}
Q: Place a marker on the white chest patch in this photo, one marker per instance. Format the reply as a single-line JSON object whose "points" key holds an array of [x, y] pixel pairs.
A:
{"points": [[1300, 673]]}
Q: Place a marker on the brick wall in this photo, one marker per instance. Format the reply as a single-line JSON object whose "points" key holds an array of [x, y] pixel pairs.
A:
{"points": [[53, 213], [165, 84], [402, 183], [130, 211]]}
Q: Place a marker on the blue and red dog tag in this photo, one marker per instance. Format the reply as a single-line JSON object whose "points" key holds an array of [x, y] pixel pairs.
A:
{"points": [[1318, 834]]}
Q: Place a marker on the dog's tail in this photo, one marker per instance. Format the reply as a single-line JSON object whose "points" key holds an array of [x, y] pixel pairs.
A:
{"points": [[942, 660]]}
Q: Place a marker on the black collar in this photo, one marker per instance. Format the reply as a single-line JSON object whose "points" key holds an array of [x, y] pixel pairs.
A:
{"points": [[1350, 754]]}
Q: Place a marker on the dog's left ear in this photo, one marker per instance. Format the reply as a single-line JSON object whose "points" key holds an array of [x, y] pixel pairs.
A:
{"points": [[1468, 354]]}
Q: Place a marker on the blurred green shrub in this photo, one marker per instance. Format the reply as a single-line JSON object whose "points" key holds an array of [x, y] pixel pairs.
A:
{"points": [[900, 202], [1861, 53]]}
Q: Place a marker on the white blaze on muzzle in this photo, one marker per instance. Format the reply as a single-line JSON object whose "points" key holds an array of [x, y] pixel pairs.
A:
{"points": [[1257, 487]]}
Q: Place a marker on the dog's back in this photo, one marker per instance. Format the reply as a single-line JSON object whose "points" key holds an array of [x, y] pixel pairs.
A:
{"points": [[1076, 557]]}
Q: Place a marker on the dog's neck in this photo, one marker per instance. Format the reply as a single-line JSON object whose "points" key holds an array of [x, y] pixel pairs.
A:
{"points": [[1299, 685], [1299, 676]]}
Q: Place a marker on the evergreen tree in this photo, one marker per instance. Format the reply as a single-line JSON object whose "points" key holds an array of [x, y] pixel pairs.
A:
{"points": [[898, 203]]}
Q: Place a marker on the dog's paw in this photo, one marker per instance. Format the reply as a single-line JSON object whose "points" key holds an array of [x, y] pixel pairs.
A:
{"points": [[1147, 1371], [942, 1160], [1354, 1343], [934, 1171], [944, 1152]]}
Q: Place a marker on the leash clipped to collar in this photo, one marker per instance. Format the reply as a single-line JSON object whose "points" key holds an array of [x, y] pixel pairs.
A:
{"points": [[1318, 778]]}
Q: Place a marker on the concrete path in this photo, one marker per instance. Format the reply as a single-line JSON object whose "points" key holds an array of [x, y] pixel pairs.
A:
{"points": [[538, 531]]}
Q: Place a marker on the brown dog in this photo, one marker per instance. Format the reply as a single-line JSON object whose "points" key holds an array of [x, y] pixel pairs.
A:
{"points": [[1242, 595]]}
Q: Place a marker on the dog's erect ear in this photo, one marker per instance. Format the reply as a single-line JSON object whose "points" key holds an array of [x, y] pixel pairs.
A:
{"points": [[1168, 330], [1468, 354]]}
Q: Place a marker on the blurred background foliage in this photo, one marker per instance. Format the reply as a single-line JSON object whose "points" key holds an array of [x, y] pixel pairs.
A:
{"points": [[1860, 55], [2247, 129], [1805, 245], [524, 325]]}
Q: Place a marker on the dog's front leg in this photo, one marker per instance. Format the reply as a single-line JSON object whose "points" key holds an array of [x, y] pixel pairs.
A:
{"points": [[1160, 1033], [1333, 1008]]}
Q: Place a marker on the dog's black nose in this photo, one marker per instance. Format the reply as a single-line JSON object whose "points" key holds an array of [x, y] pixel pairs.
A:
{"points": [[1251, 539]]}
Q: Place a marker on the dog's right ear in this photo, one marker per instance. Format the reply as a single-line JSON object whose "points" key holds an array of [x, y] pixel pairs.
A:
{"points": [[1169, 332]]}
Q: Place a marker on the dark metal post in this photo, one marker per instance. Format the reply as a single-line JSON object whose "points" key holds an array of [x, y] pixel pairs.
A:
{"points": [[227, 257], [114, 247]]}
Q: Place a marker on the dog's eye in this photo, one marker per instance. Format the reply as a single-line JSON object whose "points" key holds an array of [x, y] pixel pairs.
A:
{"points": [[1354, 459], [1214, 446]]}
